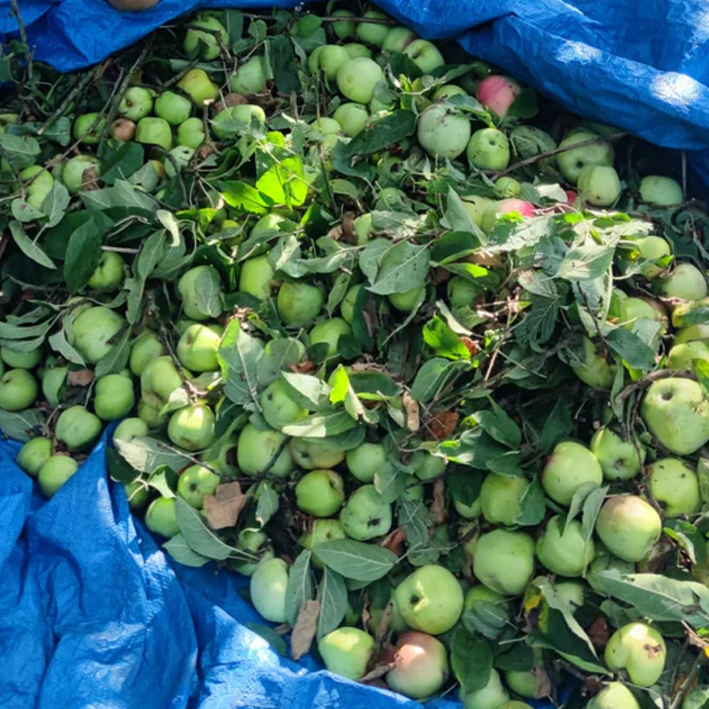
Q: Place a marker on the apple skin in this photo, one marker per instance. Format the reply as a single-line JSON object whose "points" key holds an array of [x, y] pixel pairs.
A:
{"points": [[357, 78], [652, 249], [468, 511], [34, 454], [190, 133], [461, 292], [161, 518], [154, 131], [200, 276], [257, 544], [694, 700], [77, 428], [571, 593], [421, 666], [373, 33], [692, 333], [137, 103], [40, 186], [243, 113], [93, 332], [145, 349], [573, 160], [501, 498], [593, 370], [508, 187], [329, 332], [278, 409], [599, 185], [320, 493], [570, 467], [356, 50], [498, 93], [87, 129], [250, 77], [314, 453], [255, 277], [329, 59], [348, 303], [661, 191], [130, 428], [492, 696], [346, 652], [397, 39], [192, 428], [123, 130], [505, 206], [564, 553], [614, 696], [677, 413], [430, 599], [639, 650], [686, 282], [109, 273], [256, 448], [268, 589], [488, 149], [299, 303], [21, 360], [443, 132], [321, 531], [151, 415], [195, 483], [629, 527], [114, 397], [447, 91], [681, 356], [430, 466], [343, 29], [205, 45], [18, 390], [425, 55], [675, 486], [477, 207], [504, 561], [197, 348], [619, 459], [158, 380], [406, 301], [198, 86], [55, 471], [606, 561], [366, 515], [364, 228], [74, 169], [173, 108], [352, 118], [531, 683], [366, 460]]}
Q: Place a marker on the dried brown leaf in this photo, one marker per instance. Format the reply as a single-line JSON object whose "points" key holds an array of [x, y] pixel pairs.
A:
{"points": [[228, 101], [305, 367], [348, 230], [441, 425], [394, 541], [80, 378], [413, 417], [598, 632], [384, 623], [439, 275], [438, 511], [484, 258], [223, 508], [305, 628], [472, 346]]}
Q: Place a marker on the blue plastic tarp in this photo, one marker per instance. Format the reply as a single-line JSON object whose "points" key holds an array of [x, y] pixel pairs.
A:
{"points": [[92, 613]]}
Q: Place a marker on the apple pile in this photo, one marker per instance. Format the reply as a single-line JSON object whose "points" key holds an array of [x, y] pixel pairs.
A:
{"points": [[420, 356]]}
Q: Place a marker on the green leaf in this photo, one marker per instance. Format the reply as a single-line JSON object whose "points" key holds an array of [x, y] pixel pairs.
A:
{"points": [[455, 246], [21, 425], [498, 425], [591, 507], [239, 356], [390, 130], [525, 105], [390, 482], [285, 183], [320, 425], [464, 484], [487, 618], [458, 219], [83, 254], [24, 212], [332, 594], [357, 560], [471, 660], [307, 391], [19, 150], [147, 454], [59, 343], [122, 194], [244, 197], [123, 163], [691, 540], [196, 533], [116, 358], [414, 518], [533, 505], [183, 554], [557, 427], [400, 267], [443, 340], [267, 502], [700, 368], [277, 355], [433, 377], [209, 294], [586, 262], [300, 585], [631, 348], [28, 247], [55, 204]]}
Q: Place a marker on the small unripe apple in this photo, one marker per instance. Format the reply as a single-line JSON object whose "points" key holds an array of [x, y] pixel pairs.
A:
{"points": [[277, 407], [675, 486], [192, 284], [564, 552], [407, 301], [498, 93], [137, 494], [356, 50], [114, 397], [639, 650], [197, 348], [420, 666], [154, 131], [204, 38], [145, 349], [629, 527], [55, 471], [660, 190], [346, 652], [357, 78], [77, 428], [161, 517], [443, 132], [320, 493], [256, 276], [366, 515], [87, 129], [199, 87], [501, 498], [652, 249], [34, 454], [397, 39], [80, 171], [594, 369], [195, 483], [366, 460], [681, 356], [268, 589], [619, 459], [330, 58], [686, 282], [351, 118], [492, 696], [373, 32], [256, 448], [508, 187], [250, 77], [425, 55], [39, 185], [15, 359], [599, 185], [573, 160], [109, 273], [614, 696], [570, 467], [488, 149], [94, 330], [130, 428], [313, 453], [192, 428], [18, 390], [137, 103], [343, 28], [329, 332], [504, 561], [234, 120]]}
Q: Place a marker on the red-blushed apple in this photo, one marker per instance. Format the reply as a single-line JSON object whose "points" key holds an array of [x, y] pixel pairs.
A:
{"points": [[498, 93], [675, 485], [563, 549], [34, 454], [161, 517], [257, 448], [320, 493], [629, 527], [268, 589], [366, 515], [55, 471], [570, 467], [639, 650], [123, 130], [346, 652], [420, 666], [504, 561]]}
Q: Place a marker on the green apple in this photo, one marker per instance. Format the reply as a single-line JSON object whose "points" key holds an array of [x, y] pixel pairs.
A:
{"points": [[573, 160], [198, 86], [154, 131], [366, 460], [55, 471], [675, 485], [320, 493], [532, 683], [192, 428], [194, 284], [397, 39], [130, 428], [123, 130], [356, 50], [137, 494], [508, 187], [430, 599], [599, 185], [346, 652], [197, 348], [195, 483], [329, 332], [114, 397], [477, 207], [420, 666], [357, 78], [461, 292], [614, 696], [268, 588], [94, 330], [652, 249], [151, 415], [408, 300], [18, 390], [330, 57], [278, 408], [364, 228], [256, 544], [425, 55], [660, 190], [347, 306], [54, 384], [504, 561], [299, 303], [34, 454], [137, 103], [681, 357], [373, 32], [190, 133], [39, 185], [605, 561], [692, 333], [321, 531], [366, 515], [234, 120], [146, 348], [329, 126], [696, 699], [429, 466], [352, 118], [313, 62], [158, 380], [629, 527], [676, 411], [492, 696], [570, 467], [346, 28], [205, 38], [620, 459], [257, 448], [77, 428], [256, 276], [562, 548], [87, 129], [501, 498], [447, 91], [80, 171], [21, 360], [472, 511], [639, 650], [485, 602], [109, 273], [177, 160], [594, 369], [443, 132], [488, 149], [686, 282], [250, 77], [161, 517], [571, 593], [313, 453]]}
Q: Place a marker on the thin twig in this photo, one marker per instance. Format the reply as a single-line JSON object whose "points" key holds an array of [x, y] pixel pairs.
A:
{"points": [[648, 379]]}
